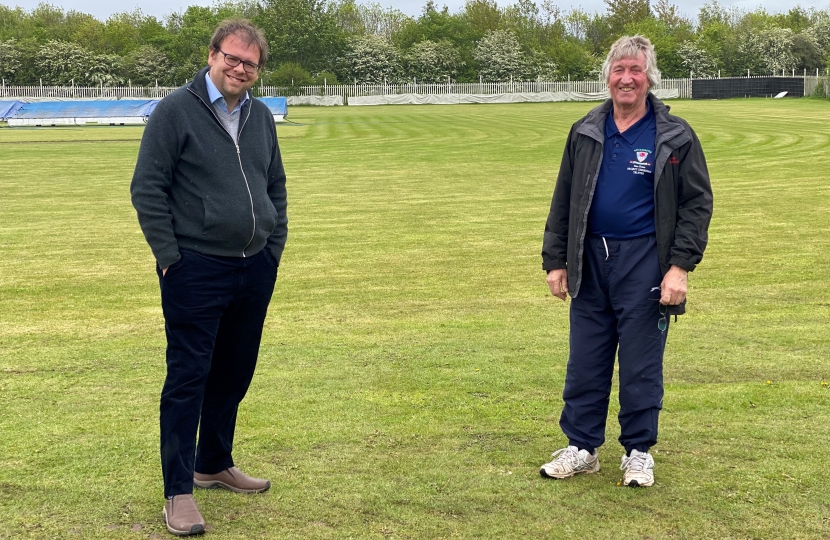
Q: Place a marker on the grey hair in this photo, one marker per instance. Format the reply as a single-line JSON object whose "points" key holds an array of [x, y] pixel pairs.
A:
{"points": [[630, 47]]}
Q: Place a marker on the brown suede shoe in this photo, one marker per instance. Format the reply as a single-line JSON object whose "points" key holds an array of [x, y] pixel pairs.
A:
{"points": [[232, 479], [182, 517]]}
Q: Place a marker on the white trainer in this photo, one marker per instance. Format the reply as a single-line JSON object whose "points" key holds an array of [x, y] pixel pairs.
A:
{"points": [[639, 469], [570, 461]]}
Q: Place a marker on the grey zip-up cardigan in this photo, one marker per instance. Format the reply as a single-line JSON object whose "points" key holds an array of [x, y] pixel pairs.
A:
{"points": [[194, 188], [682, 195]]}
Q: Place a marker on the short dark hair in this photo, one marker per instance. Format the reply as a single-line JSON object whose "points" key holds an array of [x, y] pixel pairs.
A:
{"points": [[245, 31]]}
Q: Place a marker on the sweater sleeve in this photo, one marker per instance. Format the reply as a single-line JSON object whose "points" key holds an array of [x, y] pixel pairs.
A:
{"points": [[277, 194], [150, 187]]}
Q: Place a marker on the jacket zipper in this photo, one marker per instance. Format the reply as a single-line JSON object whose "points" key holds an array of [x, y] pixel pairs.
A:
{"points": [[239, 159]]}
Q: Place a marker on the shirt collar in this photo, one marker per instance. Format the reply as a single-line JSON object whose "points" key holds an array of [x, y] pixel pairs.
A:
{"points": [[633, 132], [215, 95]]}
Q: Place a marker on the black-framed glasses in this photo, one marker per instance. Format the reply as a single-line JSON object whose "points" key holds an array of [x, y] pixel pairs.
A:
{"points": [[233, 61], [662, 322]]}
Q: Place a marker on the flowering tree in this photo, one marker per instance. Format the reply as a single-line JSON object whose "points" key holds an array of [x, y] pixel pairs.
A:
{"points": [[370, 59], [9, 59], [542, 66], [776, 46], [820, 33], [104, 70], [61, 63], [500, 56], [695, 58], [147, 64], [431, 62]]}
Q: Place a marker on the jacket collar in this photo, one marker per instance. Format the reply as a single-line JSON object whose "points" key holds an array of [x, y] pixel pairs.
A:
{"points": [[668, 128], [594, 124], [199, 87]]}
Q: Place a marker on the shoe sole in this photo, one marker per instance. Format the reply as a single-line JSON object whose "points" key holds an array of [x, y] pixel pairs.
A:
{"points": [[544, 474], [635, 484], [216, 484], [195, 529]]}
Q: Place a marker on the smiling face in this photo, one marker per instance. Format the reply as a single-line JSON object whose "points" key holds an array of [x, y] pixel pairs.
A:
{"points": [[628, 82], [233, 82]]}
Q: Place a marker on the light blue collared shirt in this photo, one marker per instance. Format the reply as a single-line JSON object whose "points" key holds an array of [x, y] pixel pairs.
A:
{"points": [[216, 96]]}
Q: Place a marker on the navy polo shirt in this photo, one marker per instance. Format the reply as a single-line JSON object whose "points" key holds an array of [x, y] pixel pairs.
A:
{"points": [[623, 204]]}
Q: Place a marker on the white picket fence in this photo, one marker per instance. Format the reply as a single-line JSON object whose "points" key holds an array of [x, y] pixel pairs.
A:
{"points": [[684, 87], [345, 90], [85, 92]]}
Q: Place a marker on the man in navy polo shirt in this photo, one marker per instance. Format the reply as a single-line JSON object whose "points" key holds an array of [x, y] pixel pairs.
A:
{"points": [[628, 221]]}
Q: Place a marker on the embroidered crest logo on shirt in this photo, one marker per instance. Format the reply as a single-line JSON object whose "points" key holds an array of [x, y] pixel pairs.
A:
{"points": [[642, 165]]}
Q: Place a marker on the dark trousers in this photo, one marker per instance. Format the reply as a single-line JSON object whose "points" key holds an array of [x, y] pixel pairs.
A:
{"points": [[214, 309], [617, 309]]}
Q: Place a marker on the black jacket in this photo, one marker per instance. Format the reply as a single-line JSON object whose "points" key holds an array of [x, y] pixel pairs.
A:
{"points": [[682, 195], [194, 188]]}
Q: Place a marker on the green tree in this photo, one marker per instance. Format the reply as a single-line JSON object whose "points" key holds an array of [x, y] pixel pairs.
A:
{"points": [[301, 31], [481, 16], [289, 74], [666, 41], [121, 33], [796, 19], [325, 77], [572, 59], [11, 22], [369, 19], [27, 73], [623, 13], [807, 53], [433, 25], [522, 19], [188, 46], [89, 34]]}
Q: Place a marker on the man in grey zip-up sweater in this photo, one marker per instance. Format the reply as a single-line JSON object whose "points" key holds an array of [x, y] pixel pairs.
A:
{"points": [[209, 190], [628, 221]]}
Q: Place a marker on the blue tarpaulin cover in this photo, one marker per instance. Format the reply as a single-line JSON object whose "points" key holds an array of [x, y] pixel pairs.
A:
{"points": [[8, 108], [278, 105], [86, 109]]}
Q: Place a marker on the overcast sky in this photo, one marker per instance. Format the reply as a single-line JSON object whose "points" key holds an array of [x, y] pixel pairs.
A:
{"points": [[102, 9]]}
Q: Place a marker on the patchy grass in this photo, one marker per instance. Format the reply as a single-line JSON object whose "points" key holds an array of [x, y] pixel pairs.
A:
{"points": [[412, 366]]}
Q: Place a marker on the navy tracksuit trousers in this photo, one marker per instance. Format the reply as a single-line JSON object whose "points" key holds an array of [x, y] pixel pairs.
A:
{"points": [[214, 309], [616, 311]]}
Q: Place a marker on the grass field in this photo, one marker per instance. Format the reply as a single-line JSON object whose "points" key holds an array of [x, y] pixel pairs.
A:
{"points": [[410, 377]]}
